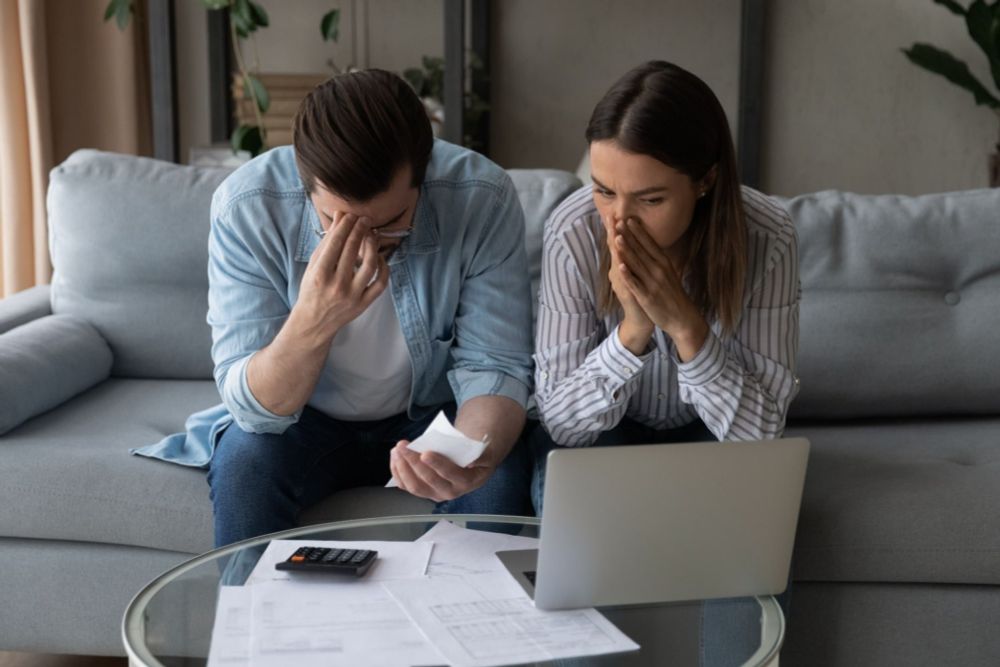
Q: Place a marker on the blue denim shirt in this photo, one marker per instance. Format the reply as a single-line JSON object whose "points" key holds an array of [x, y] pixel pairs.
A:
{"points": [[459, 283]]}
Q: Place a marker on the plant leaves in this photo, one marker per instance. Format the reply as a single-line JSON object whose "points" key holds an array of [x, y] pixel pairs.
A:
{"points": [[242, 15], [995, 38], [941, 62], [121, 10], [247, 138], [124, 12], [259, 15], [953, 6], [255, 90], [432, 63], [982, 28], [416, 79], [329, 27], [239, 25]]}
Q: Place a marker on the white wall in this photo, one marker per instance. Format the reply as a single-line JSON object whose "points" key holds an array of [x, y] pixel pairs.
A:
{"points": [[390, 34], [843, 107], [554, 59]]}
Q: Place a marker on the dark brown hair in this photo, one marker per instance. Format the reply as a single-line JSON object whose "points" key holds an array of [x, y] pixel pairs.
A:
{"points": [[663, 111], [353, 132]]}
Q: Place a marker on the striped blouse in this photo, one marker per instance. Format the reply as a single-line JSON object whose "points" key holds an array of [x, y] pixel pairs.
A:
{"points": [[586, 380]]}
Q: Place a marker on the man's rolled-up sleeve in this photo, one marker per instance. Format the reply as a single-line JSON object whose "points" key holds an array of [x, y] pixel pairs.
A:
{"points": [[246, 309], [492, 349]]}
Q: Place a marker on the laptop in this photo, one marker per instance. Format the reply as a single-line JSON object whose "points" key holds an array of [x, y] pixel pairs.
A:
{"points": [[662, 523]]}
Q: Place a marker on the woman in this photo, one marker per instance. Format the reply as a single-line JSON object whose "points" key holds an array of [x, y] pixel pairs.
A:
{"points": [[669, 299]]}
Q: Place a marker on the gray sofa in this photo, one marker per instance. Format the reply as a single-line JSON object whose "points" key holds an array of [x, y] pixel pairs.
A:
{"points": [[898, 552]]}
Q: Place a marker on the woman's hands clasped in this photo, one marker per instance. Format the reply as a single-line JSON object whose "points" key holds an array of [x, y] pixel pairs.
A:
{"points": [[648, 283]]}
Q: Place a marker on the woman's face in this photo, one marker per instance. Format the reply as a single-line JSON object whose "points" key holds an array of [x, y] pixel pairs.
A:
{"points": [[631, 185]]}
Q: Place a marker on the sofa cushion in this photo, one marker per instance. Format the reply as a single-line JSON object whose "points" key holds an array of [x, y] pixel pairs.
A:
{"points": [[45, 362], [900, 304], [910, 500], [67, 475], [129, 246], [24, 306]]}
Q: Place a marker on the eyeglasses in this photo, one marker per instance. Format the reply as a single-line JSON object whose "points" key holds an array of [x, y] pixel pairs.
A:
{"points": [[386, 234]]}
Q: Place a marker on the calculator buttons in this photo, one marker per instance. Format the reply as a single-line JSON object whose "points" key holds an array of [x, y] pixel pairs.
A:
{"points": [[324, 559]]}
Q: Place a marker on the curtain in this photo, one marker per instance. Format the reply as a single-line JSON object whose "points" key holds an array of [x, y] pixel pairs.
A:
{"points": [[68, 80]]}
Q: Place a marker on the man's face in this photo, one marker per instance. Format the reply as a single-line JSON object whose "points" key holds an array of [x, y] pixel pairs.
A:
{"points": [[389, 214]]}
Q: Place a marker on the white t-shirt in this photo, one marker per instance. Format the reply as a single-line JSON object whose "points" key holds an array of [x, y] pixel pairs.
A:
{"points": [[367, 374]]}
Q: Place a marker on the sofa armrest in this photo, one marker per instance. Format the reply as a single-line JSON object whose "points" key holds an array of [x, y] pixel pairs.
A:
{"points": [[46, 362], [24, 306]]}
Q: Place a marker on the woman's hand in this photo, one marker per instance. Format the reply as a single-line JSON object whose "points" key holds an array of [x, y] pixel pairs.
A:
{"points": [[655, 281], [636, 328]]}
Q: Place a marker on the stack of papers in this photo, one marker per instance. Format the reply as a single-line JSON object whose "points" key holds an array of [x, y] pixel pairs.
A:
{"points": [[443, 599]]}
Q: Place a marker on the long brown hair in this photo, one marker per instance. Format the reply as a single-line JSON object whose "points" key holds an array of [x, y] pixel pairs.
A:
{"points": [[663, 111]]}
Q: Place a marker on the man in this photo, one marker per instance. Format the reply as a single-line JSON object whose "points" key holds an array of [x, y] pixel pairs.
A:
{"points": [[358, 284]]}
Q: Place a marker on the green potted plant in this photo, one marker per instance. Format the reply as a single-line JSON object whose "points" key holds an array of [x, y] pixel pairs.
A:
{"points": [[982, 19], [428, 82], [245, 17]]}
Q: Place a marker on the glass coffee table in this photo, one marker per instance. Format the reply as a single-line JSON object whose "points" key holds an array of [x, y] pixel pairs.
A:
{"points": [[170, 622]]}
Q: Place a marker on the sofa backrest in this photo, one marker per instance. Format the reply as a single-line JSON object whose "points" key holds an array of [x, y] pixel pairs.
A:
{"points": [[129, 247], [540, 191], [128, 237], [900, 307]]}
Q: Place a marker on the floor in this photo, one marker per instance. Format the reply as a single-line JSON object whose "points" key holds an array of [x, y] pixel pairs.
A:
{"points": [[8, 659]]}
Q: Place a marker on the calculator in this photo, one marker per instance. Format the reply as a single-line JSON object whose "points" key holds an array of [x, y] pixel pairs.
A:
{"points": [[326, 559]]}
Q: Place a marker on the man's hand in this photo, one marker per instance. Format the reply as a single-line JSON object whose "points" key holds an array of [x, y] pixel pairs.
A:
{"points": [[431, 475], [434, 476], [336, 289], [636, 328], [283, 374], [655, 281]]}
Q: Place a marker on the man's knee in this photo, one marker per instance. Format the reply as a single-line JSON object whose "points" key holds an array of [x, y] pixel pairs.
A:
{"points": [[253, 485], [242, 458]]}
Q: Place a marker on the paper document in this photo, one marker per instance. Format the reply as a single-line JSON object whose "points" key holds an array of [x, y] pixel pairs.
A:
{"points": [[231, 633], [443, 599], [443, 438], [486, 619], [332, 624], [460, 551], [321, 619], [396, 560]]}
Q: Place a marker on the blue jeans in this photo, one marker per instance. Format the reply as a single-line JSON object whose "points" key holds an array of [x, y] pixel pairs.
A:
{"points": [[259, 482], [729, 632]]}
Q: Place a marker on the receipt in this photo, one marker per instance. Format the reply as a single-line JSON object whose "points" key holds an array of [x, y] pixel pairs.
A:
{"points": [[443, 438]]}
